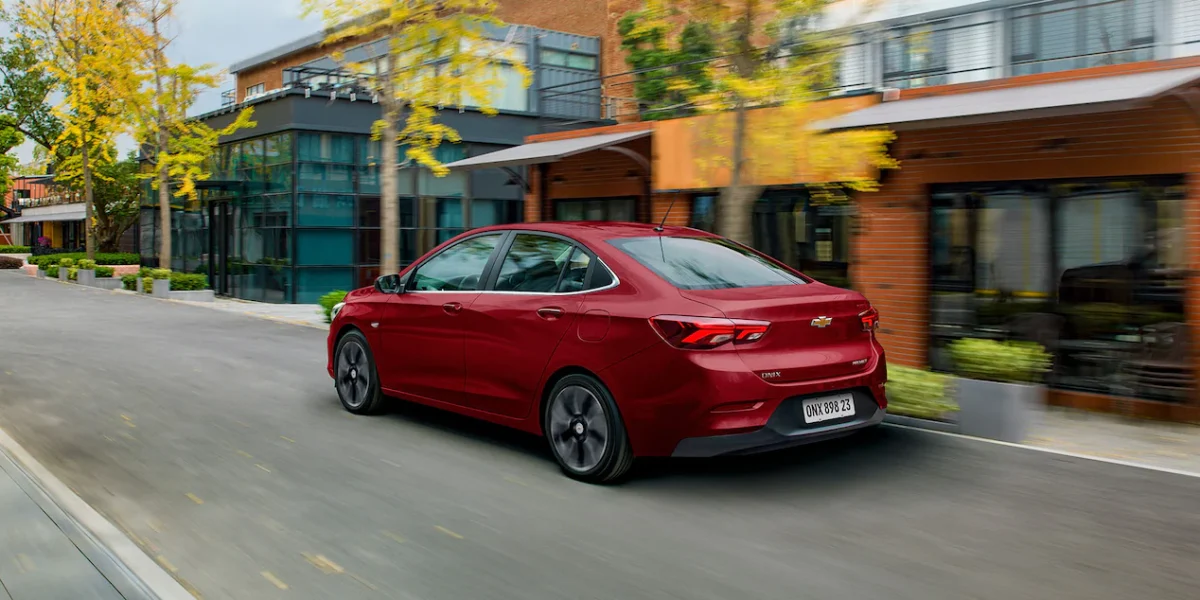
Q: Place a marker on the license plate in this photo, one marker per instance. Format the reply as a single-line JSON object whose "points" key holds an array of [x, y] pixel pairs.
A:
{"points": [[828, 407]]}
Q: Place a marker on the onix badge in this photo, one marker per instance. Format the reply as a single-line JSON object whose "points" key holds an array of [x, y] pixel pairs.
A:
{"points": [[822, 322]]}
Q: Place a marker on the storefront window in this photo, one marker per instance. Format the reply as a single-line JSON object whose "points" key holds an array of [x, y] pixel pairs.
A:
{"points": [[813, 238], [1092, 270]]}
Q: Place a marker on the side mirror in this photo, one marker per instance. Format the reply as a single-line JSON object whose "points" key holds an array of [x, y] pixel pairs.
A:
{"points": [[389, 284]]}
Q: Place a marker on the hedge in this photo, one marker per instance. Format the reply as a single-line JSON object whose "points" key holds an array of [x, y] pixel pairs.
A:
{"points": [[180, 282], [104, 271], [102, 258], [52, 271], [14, 249]]}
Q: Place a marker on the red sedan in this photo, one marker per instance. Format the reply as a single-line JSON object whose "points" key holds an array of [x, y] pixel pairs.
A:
{"points": [[615, 340]]}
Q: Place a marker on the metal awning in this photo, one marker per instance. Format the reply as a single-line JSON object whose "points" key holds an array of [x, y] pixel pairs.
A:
{"points": [[1082, 96], [59, 216], [537, 153]]}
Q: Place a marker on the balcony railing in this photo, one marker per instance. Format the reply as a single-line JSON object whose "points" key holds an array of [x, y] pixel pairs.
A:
{"points": [[228, 98]]}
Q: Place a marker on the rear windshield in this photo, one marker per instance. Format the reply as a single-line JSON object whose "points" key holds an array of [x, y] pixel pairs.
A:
{"points": [[696, 263]]}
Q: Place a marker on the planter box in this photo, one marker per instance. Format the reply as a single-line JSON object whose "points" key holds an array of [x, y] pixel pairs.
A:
{"points": [[63, 273], [162, 288], [192, 295], [85, 276], [141, 286], [998, 411], [106, 283], [40, 273]]}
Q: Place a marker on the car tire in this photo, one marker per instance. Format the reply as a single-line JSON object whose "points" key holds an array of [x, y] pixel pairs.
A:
{"points": [[585, 431], [355, 377]]}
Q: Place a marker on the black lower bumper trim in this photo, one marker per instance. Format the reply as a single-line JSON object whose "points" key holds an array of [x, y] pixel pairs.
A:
{"points": [[785, 429]]}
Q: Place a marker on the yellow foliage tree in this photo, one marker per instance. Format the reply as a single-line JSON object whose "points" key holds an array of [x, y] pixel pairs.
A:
{"points": [[79, 43], [769, 57], [157, 98], [438, 55]]}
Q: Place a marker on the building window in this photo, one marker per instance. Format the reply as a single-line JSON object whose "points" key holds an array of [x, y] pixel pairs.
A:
{"points": [[916, 56], [570, 60], [812, 238], [704, 213], [1092, 270], [1056, 36], [257, 88], [596, 209]]}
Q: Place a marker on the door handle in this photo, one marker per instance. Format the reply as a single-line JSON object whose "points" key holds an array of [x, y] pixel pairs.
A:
{"points": [[452, 307], [550, 313]]}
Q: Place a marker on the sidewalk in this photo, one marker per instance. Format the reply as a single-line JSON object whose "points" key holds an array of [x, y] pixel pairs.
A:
{"points": [[1172, 446], [297, 314], [38, 560]]}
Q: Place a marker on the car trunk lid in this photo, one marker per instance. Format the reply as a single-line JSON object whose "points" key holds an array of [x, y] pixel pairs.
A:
{"points": [[816, 330]]}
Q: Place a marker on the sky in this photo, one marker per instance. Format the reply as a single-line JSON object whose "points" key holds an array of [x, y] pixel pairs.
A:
{"points": [[222, 32]]}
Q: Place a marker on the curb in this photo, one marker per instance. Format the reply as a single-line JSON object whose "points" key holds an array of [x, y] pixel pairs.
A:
{"points": [[915, 423], [247, 313], [118, 559]]}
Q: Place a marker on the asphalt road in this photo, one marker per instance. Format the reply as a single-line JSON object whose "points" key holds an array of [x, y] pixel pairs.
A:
{"points": [[217, 441]]}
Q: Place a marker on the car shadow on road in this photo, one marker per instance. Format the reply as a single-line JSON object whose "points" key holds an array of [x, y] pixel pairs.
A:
{"points": [[874, 453]]}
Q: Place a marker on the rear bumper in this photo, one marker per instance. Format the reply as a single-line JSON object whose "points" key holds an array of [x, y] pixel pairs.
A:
{"points": [[785, 428]]}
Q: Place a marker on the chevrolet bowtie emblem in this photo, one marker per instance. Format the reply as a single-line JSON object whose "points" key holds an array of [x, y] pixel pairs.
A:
{"points": [[822, 322]]}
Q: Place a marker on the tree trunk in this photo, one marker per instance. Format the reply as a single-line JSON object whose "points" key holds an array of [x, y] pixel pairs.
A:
{"points": [[389, 203], [164, 138], [735, 209], [89, 210]]}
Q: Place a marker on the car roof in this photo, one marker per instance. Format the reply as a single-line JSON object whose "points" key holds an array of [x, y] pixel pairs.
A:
{"points": [[598, 231]]}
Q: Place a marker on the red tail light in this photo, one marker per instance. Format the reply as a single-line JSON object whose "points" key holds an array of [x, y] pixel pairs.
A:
{"points": [[701, 333], [870, 319]]}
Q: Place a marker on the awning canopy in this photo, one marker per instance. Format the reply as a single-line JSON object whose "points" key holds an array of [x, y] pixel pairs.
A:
{"points": [[75, 215], [1082, 96], [546, 152]]}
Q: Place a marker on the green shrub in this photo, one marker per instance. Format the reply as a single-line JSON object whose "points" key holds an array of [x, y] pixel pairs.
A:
{"points": [[14, 249], [160, 273], [87, 264], [186, 282], [917, 393], [73, 273], [148, 285], [66, 262], [102, 258], [128, 282], [1005, 362], [104, 271], [9, 262], [328, 301], [52, 271]]}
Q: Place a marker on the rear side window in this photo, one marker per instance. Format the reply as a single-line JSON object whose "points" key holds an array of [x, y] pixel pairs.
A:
{"points": [[695, 263]]}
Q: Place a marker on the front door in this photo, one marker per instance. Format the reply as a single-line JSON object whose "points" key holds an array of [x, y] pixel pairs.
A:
{"points": [[423, 326], [220, 241], [513, 329]]}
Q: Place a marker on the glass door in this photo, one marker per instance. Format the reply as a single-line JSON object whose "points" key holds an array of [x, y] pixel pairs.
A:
{"points": [[220, 242]]}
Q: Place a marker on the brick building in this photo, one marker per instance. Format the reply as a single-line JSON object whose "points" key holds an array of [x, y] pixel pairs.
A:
{"points": [[1047, 191]]}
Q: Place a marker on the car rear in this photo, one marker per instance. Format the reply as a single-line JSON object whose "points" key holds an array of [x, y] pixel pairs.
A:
{"points": [[765, 357]]}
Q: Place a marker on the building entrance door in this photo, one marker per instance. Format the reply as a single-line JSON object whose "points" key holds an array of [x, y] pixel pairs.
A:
{"points": [[220, 241]]}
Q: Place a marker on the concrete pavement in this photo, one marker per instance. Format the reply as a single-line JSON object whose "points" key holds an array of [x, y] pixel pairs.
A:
{"points": [[217, 442]]}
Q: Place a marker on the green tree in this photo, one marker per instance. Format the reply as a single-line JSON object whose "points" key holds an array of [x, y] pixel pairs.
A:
{"points": [[768, 57], [25, 88], [117, 200], [157, 98], [438, 54], [659, 65]]}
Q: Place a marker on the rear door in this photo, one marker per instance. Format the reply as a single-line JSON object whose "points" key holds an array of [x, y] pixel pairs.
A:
{"points": [[423, 330], [816, 331], [513, 328]]}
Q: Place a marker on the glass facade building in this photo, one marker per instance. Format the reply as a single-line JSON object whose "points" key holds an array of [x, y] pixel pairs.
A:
{"points": [[291, 216], [292, 210]]}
